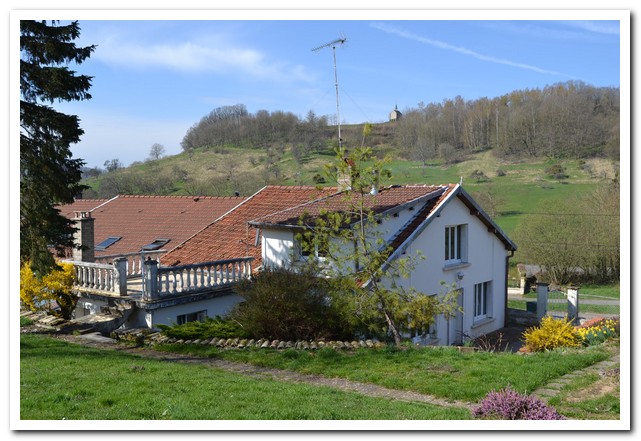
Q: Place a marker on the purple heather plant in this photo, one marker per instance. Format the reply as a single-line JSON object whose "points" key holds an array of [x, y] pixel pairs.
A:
{"points": [[507, 404]]}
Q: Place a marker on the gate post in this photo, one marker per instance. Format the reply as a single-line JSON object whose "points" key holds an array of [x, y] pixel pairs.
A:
{"points": [[541, 299], [573, 304]]}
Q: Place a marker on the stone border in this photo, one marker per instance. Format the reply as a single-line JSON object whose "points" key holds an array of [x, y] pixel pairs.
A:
{"points": [[139, 336]]}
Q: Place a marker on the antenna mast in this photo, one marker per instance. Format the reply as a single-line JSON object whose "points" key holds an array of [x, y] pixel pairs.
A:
{"points": [[338, 41]]}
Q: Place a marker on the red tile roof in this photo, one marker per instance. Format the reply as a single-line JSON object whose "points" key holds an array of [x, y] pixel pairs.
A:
{"points": [[140, 220], [68, 210], [231, 237], [388, 198]]}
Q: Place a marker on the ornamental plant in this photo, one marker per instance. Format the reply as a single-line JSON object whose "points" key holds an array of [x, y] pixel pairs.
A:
{"points": [[597, 332], [551, 334], [51, 292], [507, 404]]}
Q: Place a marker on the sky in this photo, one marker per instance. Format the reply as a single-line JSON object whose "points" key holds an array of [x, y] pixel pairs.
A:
{"points": [[154, 78]]}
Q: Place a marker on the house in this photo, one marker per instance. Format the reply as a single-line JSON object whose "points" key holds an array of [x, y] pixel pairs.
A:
{"points": [[462, 246], [128, 224], [132, 229], [210, 247], [194, 279]]}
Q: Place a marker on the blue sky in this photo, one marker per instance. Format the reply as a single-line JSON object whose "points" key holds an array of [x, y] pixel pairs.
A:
{"points": [[153, 79]]}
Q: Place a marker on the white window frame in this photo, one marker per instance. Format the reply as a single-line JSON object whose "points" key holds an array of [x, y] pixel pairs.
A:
{"points": [[306, 255], [482, 301], [455, 244], [198, 316]]}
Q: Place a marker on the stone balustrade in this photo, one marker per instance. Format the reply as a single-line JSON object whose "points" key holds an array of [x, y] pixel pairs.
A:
{"points": [[162, 282], [135, 261], [102, 278]]}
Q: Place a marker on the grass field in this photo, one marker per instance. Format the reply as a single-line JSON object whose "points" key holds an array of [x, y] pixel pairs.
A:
{"points": [[62, 380]]}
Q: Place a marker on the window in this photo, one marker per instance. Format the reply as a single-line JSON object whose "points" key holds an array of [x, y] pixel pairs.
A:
{"points": [[455, 244], [107, 243], [482, 301], [308, 246], [156, 244], [199, 316]]}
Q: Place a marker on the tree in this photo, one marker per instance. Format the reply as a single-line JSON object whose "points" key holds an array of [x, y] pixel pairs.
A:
{"points": [[363, 279], [156, 152], [49, 175], [113, 165]]}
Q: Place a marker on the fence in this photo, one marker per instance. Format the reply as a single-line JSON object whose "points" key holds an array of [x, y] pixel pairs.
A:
{"points": [[566, 303]]}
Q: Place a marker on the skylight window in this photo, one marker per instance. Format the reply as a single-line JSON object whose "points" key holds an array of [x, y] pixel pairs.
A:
{"points": [[107, 243], [156, 244]]}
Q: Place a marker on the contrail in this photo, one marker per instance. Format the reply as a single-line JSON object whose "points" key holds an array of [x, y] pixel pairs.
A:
{"points": [[461, 50]]}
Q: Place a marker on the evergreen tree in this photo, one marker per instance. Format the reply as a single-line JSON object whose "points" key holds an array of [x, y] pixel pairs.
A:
{"points": [[48, 173]]}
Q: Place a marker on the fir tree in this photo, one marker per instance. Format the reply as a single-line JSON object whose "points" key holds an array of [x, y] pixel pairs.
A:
{"points": [[48, 173]]}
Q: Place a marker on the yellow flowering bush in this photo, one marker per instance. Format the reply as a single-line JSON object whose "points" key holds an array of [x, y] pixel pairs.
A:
{"points": [[551, 334], [597, 333], [38, 294]]}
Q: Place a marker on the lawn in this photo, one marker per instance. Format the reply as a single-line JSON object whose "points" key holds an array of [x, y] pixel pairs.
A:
{"points": [[59, 380], [442, 372]]}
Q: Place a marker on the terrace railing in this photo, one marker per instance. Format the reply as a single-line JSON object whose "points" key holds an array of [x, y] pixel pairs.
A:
{"points": [[135, 261], [159, 282], [163, 282]]}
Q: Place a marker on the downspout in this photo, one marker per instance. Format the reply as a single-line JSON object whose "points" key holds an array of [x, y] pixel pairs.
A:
{"points": [[507, 270]]}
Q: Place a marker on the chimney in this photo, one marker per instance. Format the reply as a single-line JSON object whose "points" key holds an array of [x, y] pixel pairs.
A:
{"points": [[345, 176], [83, 238]]}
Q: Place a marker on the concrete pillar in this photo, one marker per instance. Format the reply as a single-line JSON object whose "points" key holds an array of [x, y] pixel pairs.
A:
{"points": [[120, 263], [573, 303], [541, 299], [150, 280], [83, 238]]}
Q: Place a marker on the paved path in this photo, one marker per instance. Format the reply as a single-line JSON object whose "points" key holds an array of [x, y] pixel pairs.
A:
{"points": [[553, 388]]}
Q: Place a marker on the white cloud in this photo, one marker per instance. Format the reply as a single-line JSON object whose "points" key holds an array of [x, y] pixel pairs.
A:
{"points": [[191, 57]]}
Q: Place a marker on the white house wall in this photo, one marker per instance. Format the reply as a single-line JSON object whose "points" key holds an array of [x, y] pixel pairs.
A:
{"points": [[278, 246], [218, 306], [486, 259]]}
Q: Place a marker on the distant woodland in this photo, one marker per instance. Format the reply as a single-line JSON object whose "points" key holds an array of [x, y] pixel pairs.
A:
{"points": [[232, 150], [565, 120]]}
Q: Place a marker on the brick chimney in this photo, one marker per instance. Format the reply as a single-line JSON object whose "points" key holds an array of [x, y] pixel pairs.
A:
{"points": [[83, 238]]}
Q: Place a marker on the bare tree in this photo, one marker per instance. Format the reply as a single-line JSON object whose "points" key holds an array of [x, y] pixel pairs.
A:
{"points": [[156, 152]]}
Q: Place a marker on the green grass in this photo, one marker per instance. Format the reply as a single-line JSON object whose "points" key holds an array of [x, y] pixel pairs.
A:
{"points": [[583, 307], [60, 380], [441, 372], [589, 397]]}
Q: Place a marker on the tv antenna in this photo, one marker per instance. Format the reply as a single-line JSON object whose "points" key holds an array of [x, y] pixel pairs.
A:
{"points": [[333, 44]]}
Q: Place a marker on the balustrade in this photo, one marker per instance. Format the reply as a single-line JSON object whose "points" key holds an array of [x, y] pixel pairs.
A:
{"points": [[160, 282]]}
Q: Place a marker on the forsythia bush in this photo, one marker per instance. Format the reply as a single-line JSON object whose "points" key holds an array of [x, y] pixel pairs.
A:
{"points": [[38, 293], [598, 332], [551, 334]]}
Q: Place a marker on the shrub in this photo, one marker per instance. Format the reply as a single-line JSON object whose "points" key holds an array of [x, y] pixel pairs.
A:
{"points": [[556, 171], [210, 328], [597, 332], [508, 404], [51, 292], [286, 305], [479, 176], [551, 334]]}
